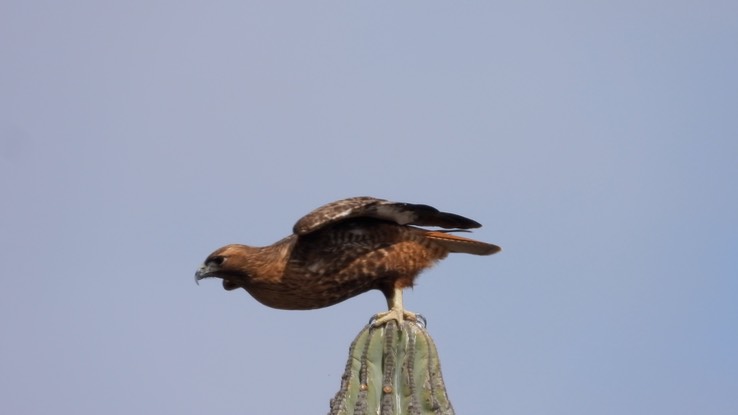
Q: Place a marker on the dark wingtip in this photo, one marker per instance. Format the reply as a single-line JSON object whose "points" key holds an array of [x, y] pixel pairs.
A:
{"points": [[452, 220]]}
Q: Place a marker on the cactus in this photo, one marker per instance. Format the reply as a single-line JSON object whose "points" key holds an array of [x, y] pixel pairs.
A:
{"points": [[392, 369]]}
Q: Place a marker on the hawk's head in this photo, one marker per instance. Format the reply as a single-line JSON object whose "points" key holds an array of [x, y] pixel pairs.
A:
{"points": [[230, 263]]}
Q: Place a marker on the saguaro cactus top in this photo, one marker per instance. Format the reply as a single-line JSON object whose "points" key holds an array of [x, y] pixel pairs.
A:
{"points": [[392, 369]]}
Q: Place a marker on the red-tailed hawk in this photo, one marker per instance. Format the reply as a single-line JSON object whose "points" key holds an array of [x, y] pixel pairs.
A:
{"points": [[343, 249]]}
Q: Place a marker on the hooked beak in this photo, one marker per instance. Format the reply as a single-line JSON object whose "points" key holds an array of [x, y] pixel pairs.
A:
{"points": [[210, 271], [205, 271]]}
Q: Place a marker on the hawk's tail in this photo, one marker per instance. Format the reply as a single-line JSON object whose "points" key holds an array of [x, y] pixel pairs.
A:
{"points": [[458, 244]]}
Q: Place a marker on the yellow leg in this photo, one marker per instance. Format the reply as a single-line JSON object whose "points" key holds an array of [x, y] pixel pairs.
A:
{"points": [[396, 311]]}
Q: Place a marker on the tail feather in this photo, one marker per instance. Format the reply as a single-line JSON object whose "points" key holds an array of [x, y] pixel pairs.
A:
{"points": [[464, 245]]}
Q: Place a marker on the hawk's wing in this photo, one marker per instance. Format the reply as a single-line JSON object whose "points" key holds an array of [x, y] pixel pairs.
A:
{"points": [[369, 207]]}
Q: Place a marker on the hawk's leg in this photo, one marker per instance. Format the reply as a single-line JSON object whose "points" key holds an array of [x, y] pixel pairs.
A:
{"points": [[396, 311]]}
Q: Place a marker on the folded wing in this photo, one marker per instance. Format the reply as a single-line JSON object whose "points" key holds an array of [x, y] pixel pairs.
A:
{"points": [[369, 207]]}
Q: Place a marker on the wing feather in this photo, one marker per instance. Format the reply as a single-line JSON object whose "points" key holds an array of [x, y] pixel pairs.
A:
{"points": [[370, 207]]}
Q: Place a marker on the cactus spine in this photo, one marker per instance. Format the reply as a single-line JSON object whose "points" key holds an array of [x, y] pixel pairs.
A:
{"points": [[392, 369]]}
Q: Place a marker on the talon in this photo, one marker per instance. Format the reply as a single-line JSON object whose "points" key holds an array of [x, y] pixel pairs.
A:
{"points": [[396, 314]]}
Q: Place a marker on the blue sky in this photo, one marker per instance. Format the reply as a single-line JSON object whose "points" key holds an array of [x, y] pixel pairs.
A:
{"points": [[596, 141]]}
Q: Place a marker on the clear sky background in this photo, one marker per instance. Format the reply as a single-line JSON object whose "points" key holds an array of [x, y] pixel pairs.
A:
{"points": [[596, 141]]}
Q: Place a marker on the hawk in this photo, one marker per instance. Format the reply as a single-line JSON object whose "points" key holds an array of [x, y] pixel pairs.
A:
{"points": [[343, 249]]}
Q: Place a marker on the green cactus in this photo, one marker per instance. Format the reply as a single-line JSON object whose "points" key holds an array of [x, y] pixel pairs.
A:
{"points": [[392, 370]]}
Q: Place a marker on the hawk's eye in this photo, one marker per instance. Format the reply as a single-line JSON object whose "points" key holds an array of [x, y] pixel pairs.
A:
{"points": [[217, 260]]}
